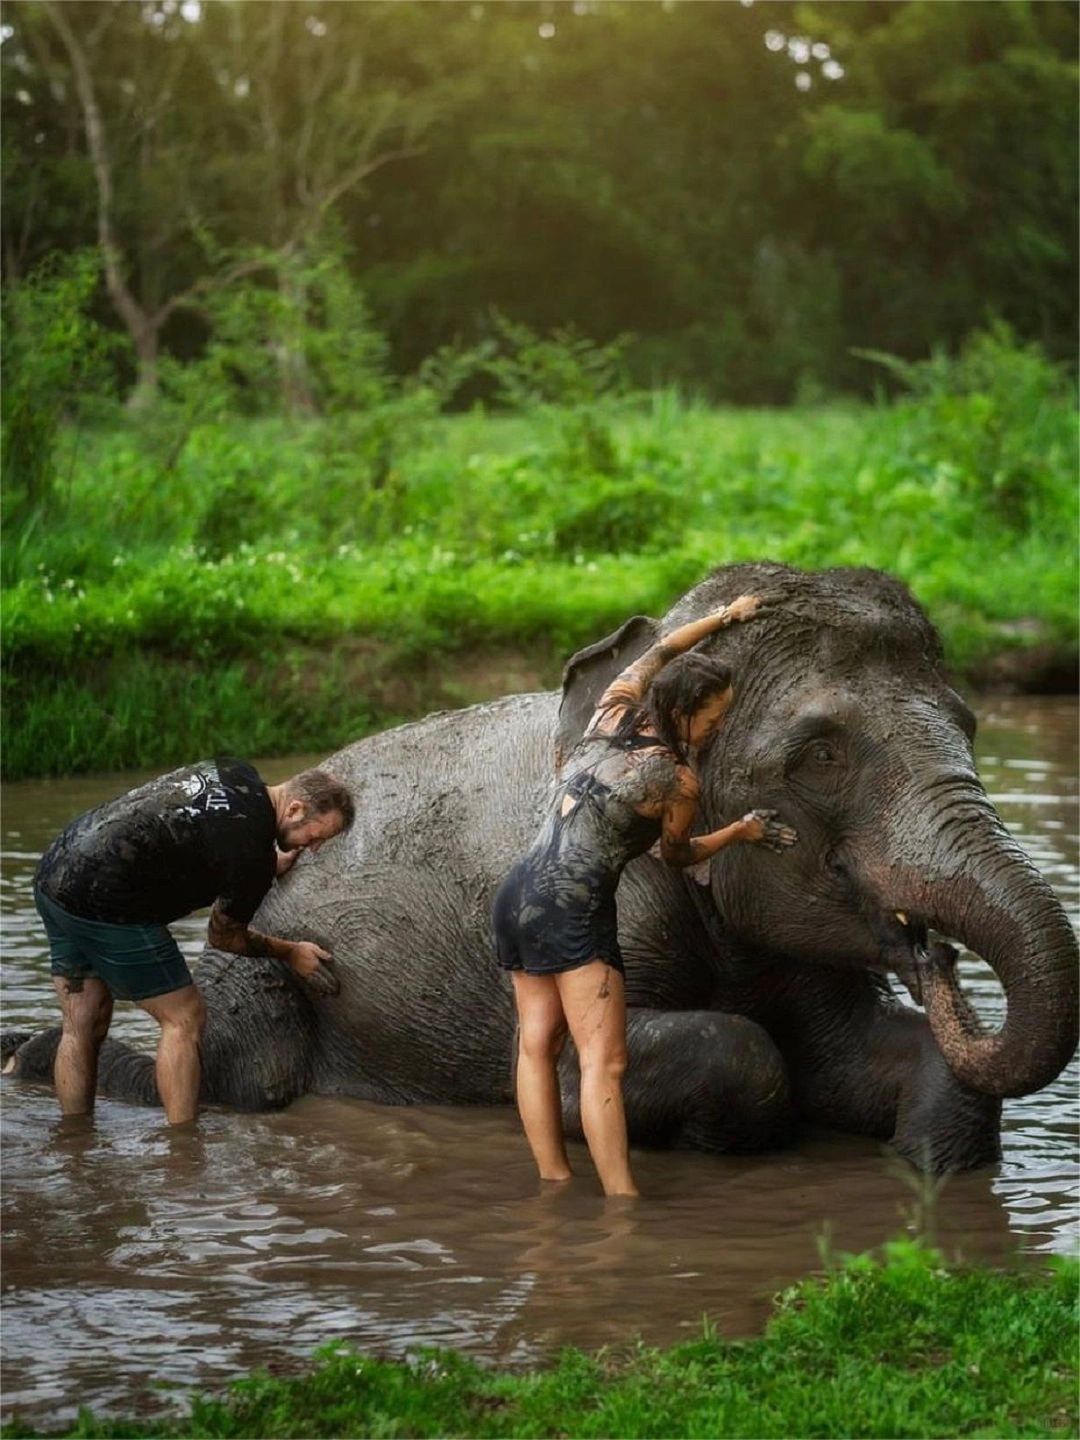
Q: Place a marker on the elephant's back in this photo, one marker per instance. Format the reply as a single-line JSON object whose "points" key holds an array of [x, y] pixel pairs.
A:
{"points": [[462, 788]]}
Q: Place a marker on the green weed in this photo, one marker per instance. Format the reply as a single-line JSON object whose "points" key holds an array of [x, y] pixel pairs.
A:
{"points": [[895, 1347]]}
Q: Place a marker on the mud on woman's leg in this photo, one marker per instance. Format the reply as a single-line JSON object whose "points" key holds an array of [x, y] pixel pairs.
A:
{"points": [[594, 1000], [541, 1037]]}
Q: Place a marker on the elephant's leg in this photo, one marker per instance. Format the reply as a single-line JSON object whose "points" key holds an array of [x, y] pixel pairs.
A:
{"points": [[861, 1062], [257, 1049], [122, 1073], [696, 1079]]}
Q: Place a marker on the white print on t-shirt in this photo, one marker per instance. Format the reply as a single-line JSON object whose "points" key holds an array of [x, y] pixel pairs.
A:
{"points": [[204, 791]]}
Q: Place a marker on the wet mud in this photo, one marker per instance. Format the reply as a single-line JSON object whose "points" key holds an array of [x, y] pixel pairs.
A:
{"points": [[137, 1258]]}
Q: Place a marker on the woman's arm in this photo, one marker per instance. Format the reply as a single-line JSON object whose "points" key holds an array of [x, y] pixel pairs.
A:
{"points": [[631, 685], [679, 848]]}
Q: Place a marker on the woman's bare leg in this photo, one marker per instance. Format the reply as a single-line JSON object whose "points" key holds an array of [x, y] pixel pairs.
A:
{"points": [[541, 1037], [594, 999]]}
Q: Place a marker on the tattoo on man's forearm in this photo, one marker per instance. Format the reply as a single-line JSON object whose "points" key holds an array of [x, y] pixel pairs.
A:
{"points": [[259, 945]]}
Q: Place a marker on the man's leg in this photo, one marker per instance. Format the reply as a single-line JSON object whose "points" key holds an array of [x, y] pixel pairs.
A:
{"points": [[86, 1006], [541, 1037], [182, 1017], [593, 997]]}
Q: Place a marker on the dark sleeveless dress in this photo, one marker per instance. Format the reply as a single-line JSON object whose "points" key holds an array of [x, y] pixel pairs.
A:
{"points": [[556, 908]]}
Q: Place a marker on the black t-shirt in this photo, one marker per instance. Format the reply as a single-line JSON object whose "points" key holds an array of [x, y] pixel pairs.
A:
{"points": [[191, 837]]}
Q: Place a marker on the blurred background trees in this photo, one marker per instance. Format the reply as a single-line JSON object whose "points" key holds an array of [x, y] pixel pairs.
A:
{"points": [[752, 190]]}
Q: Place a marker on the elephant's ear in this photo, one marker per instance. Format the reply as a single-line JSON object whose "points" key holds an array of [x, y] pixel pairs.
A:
{"points": [[588, 674]]}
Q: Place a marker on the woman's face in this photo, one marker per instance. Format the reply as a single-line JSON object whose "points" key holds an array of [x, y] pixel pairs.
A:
{"points": [[706, 719]]}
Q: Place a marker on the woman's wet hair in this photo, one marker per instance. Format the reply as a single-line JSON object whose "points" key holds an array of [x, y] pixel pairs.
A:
{"points": [[321, 793], [680, 690]]}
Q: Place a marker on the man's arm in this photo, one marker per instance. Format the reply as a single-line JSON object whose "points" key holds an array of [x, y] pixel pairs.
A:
{"points": [[630, 686], [311, 962]]}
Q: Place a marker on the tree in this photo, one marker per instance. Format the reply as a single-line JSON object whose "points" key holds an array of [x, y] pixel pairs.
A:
{"points": [[312, 121], [942, 178], [752, 190], [303, 125], [143, 319]]}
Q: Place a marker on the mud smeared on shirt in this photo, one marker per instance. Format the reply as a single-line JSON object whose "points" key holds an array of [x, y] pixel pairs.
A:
{"points": [[182, 841]]}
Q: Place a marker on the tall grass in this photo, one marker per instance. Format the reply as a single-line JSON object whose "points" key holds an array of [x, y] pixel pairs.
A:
{"points": [[161, 601]]}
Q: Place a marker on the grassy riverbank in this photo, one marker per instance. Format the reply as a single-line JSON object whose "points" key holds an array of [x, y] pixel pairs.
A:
{"points": [[265, 586], [902, 1347]]}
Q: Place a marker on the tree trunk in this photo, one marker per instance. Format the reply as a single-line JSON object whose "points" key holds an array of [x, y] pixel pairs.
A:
{"points": [[146, 341], [140, 326], [293, 369]]}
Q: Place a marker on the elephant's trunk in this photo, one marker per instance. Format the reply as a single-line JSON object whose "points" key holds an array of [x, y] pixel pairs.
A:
{"points": [[980, 888]]}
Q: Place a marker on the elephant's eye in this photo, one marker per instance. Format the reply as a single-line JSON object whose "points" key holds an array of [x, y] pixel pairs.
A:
{"points": [[820, 761]]}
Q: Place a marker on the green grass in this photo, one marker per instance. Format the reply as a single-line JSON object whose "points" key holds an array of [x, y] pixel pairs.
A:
{"points": [[155, 603], [902, 1347]]}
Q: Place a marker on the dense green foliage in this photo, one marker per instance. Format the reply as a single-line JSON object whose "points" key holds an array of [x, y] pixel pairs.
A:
{"points": [[257, 590], [751, 190], [900, 1348], [55, 363]]}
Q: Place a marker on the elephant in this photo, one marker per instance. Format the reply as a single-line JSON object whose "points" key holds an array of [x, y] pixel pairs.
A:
{"points": [[758, 1000]]}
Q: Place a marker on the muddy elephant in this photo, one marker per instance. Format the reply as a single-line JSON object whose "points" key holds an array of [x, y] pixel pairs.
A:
{"points": [[758, 999]]}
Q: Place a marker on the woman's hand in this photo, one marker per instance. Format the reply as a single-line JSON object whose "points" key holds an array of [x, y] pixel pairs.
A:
{"points": [[761, 827], [743, 608], [630, 686]]}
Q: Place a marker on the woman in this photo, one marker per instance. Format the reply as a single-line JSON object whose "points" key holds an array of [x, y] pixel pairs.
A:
{"points": [[629, 781]]}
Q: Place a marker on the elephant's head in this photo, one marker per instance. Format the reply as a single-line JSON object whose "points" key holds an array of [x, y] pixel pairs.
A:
{"points": [[843, 722]]}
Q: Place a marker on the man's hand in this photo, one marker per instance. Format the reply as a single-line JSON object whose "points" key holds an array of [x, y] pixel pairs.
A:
{"points": [[286, 859], [313, 964]]}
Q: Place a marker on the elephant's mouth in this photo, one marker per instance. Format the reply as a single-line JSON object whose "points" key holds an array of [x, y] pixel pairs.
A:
{"points": [[906, 940]]}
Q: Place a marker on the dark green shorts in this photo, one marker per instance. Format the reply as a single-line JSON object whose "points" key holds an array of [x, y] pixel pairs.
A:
{"points": [[136, 962]]}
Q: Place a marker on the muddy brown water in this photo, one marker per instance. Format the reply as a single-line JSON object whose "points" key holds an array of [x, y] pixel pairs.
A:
{"points": [[137, 1263]]}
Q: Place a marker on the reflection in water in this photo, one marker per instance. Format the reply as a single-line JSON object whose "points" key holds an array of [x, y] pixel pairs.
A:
{"points": [[136, 1256]]}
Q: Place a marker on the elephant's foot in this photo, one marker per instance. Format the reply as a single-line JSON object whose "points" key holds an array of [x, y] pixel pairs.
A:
{"points": [[696, 1079]]}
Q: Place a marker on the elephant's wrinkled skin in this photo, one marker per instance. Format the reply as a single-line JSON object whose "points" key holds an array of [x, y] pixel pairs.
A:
{"points": [[755, 999]]}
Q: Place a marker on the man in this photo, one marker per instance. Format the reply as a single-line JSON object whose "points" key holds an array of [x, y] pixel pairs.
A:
{"points": [[110, 883]]}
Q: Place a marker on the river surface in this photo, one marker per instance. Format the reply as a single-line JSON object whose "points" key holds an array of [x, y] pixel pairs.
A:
{"points": [[135, 1259]]}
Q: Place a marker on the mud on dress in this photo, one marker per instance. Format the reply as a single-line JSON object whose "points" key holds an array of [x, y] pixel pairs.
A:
{"points": [[556, 908]]}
